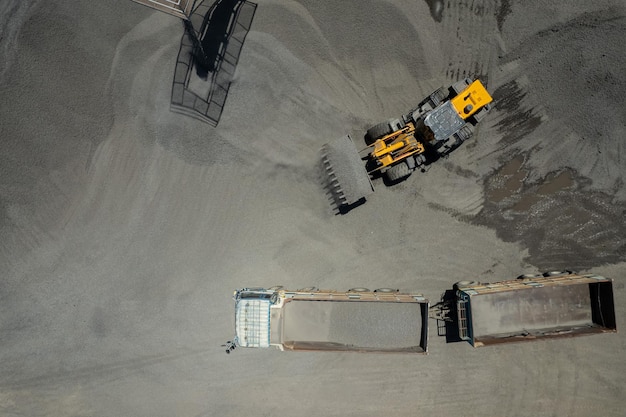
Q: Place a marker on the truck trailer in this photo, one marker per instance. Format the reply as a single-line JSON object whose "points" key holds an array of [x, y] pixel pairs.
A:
{"points": [[358, 320], [551, 305]]}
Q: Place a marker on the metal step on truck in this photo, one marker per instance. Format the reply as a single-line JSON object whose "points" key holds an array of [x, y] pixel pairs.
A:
{"points": [[358, 320], [551, 305]]}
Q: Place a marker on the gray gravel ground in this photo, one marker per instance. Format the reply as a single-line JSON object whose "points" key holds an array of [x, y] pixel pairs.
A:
{"points": [[125, 227]]}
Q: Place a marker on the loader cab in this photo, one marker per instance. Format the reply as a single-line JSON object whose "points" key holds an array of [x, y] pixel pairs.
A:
{"points": [[443, 122]]}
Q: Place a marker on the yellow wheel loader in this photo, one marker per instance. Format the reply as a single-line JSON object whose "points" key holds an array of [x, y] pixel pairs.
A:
{"points": [[395, 148]]}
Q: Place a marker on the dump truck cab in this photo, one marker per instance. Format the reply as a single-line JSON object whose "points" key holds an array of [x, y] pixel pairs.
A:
{"points": [[252, 316], [357, 320]]}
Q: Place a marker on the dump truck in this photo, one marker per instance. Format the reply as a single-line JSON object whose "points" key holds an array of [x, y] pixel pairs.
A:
{"points": [[532, 307], [395, 148], [357, 320]]}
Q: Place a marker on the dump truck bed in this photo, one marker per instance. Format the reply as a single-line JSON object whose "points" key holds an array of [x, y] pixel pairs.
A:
{"points": [[362, 321], [534, 308], [352, 325]]}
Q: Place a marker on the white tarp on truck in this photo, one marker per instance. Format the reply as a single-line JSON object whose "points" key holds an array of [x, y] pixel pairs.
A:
{"points": [[253, 322]]}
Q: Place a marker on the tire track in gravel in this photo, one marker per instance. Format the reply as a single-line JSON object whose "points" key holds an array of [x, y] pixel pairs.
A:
{"points": [[472, 24]]}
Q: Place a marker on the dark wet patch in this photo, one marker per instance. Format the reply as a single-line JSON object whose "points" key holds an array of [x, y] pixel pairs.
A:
{"points": [[465, 173], [436, 9], [516, 121], [503, 11], [507, 181], [563, 224]]}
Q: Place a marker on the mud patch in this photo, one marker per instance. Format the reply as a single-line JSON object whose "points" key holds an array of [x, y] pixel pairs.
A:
{"points": [[566, 99], [507, 181], [503, 11], [561, 222]]}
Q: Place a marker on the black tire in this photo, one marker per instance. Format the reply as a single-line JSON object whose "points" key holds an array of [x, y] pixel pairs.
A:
{"points": [[465, 132], [376, 132], [556, 273], [274, 298], [398, 172], [464, 284], [529, 276], [386, 290], [359, 289]]}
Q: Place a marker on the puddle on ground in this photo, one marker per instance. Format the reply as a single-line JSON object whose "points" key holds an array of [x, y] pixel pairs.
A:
{"points": [[551, 185], [563, 224], [507, 181], [555, 183]]}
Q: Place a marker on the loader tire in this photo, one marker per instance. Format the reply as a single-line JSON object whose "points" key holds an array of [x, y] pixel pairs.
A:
{"points": [[398, 172], [465, 132], [376, 132], [460, 284], [438, 96]]}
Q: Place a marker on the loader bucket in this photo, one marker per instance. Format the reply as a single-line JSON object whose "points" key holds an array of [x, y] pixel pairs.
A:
{"points": [[343, 174]]}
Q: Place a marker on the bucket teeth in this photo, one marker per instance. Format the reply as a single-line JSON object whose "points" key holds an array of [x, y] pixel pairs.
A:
{"points": [[343, 173]]}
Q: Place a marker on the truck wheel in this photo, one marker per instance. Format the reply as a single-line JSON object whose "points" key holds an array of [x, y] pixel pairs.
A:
{"points": [[398, 172], [377, 132], [459, 284], [386, 290], [359, 289], [556, 273], [274, 298], [529, 276]]}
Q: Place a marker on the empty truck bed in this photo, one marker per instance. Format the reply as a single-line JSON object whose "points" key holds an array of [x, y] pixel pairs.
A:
{"points": [[553, 306], [543, 308]]}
